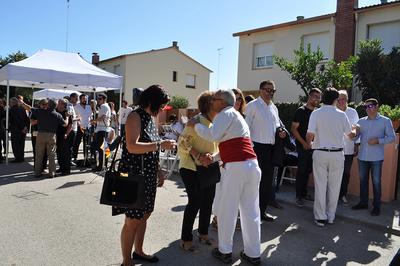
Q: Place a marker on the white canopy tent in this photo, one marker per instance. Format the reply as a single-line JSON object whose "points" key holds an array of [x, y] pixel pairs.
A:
{"points": [[57, 70], [52, 93]]}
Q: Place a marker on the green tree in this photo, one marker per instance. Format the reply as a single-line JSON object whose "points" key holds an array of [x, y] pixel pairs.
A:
{"points": [[12, 58], [310, 71], [179, 102], [377, 74]]}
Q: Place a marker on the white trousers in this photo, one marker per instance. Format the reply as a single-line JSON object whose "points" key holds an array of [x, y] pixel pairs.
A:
{"points": [[328, 170], [239, 189]]}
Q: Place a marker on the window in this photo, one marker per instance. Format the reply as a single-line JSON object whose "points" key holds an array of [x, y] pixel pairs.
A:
{"points": [[190, 81], [320, 40], [263, 55], [389, 33], [117, 69], [174, 76]]}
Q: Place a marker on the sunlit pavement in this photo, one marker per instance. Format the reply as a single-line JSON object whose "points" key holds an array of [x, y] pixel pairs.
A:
{"points": [[60, 222]]}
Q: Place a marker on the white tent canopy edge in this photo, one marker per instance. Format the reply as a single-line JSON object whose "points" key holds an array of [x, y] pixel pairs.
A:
{"points": [[56, 70]]}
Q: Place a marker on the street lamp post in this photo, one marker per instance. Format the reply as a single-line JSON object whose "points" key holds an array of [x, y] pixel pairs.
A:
{"points": [[219, 61]]}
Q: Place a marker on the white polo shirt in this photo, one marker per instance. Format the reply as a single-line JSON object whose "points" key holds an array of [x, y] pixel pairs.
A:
{"points": [[328, 124], [123, 114], [84, 113], [263, 120], [103, 123], [352, 115]]}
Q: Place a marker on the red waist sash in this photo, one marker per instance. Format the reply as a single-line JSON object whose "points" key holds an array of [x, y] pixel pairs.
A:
{"points": [[236, 150]]}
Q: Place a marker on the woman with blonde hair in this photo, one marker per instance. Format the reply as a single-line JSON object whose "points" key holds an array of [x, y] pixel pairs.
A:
{"points": [[240, 104], [193, 151]]}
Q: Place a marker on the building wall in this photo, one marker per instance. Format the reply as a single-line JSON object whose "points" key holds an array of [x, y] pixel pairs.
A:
{"points": [[110, 67], [143, 70], [285, 40], [382, 15]]}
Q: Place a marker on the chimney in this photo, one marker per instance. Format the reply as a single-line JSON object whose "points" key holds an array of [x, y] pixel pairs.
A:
{"points": [[299, 18], [345, 29], [175, 44], [95, 58]]}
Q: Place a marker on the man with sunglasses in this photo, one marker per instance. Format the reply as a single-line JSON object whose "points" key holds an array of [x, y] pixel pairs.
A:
{"points": [[263, 119], [102, 122], [375, 131]]}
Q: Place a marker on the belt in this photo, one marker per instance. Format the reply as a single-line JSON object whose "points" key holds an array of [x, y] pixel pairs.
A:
{"points": [[330, 150]]}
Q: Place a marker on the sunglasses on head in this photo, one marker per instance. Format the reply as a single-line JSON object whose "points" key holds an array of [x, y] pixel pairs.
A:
{"points": [[370, 106]]}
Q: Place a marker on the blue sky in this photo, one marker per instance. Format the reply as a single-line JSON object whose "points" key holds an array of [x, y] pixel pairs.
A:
{"points": [[112, 28]]}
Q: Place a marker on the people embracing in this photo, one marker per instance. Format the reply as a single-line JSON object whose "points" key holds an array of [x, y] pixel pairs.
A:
{"points": [[194, 150], [142, 142], [240, 179]]}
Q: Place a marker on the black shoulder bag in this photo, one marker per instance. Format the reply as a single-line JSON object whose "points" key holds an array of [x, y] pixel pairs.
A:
{"points": [[123, 189]]}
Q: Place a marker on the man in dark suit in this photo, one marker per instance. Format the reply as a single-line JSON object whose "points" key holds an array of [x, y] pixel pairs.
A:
{"points": [[19, 123]]}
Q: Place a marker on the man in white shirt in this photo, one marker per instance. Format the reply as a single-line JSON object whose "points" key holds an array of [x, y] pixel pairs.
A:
{"points": [[84, 113], [325, 134], [73, 98], [350, 150], [102, 123], [240, 178], [123, 115], [263, 120]]}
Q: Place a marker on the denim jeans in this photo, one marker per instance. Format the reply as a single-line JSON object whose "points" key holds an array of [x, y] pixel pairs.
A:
{"points": [[375, 167]]}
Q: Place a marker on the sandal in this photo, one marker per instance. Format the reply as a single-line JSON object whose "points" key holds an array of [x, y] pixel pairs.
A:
{"points": [[205, 240], [214, 223], [191, 248]]}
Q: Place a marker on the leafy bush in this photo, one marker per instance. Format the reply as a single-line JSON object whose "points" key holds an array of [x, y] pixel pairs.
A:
{"points": [[392, 113], [179, 102], [286, 112]]}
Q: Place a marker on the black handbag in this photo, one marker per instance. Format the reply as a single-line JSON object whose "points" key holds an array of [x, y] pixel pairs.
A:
{"points": [[208, 176], [122, 189]]}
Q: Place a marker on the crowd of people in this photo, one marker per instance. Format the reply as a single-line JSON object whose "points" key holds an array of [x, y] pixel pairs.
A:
{"points": [[244, 136]]}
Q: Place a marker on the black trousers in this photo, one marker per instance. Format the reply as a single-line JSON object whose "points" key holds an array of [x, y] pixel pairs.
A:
{"points": [[304, 168], [18, 144], [199, 199], [44, 162], [348, 161], [264, 157], [2, 141], [63, 151], [97, 142], [80, 136]]}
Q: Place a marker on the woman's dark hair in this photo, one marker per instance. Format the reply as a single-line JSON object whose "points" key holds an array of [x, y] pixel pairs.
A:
{"points": [[329, 96], [154, 96], [249, 98], [204, 102]]}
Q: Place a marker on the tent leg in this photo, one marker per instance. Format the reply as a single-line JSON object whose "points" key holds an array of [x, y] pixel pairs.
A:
{"points": [[7, 119]]}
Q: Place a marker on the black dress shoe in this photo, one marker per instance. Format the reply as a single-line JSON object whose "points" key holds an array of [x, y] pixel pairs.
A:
{"points": [[360, 206], [225, 258], [375, 212], [150, 259], [266, 217], [254, 261], [276, 205]]}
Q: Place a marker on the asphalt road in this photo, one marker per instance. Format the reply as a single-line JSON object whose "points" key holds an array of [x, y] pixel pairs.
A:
{"points": [[60, 222]]}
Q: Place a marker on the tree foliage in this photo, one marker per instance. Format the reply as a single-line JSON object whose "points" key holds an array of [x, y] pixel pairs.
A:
{"points": [[377, 74], [179, 102], [310, 70], [12, 58]]}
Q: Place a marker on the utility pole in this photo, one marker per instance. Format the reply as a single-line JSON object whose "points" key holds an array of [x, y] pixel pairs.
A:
{"points": [[219, 61], [66, 31]]}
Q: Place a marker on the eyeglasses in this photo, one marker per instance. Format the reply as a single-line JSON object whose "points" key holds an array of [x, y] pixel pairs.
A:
{"points": [[343, 100], [370, 106], [268, 90], [317, 97]]}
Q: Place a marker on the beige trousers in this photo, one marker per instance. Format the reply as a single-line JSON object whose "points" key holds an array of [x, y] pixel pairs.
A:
{"points": [[45, 142], [328, 170]]}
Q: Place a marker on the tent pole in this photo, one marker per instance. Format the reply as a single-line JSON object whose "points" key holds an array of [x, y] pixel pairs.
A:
{"points": [[7, 118], [120, 98]]}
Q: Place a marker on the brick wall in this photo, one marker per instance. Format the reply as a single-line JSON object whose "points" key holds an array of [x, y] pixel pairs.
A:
{"points": [[344, 29]]}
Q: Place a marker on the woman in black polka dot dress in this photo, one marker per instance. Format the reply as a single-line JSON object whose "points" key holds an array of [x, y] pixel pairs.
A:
{"points": [[142, 141]]}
